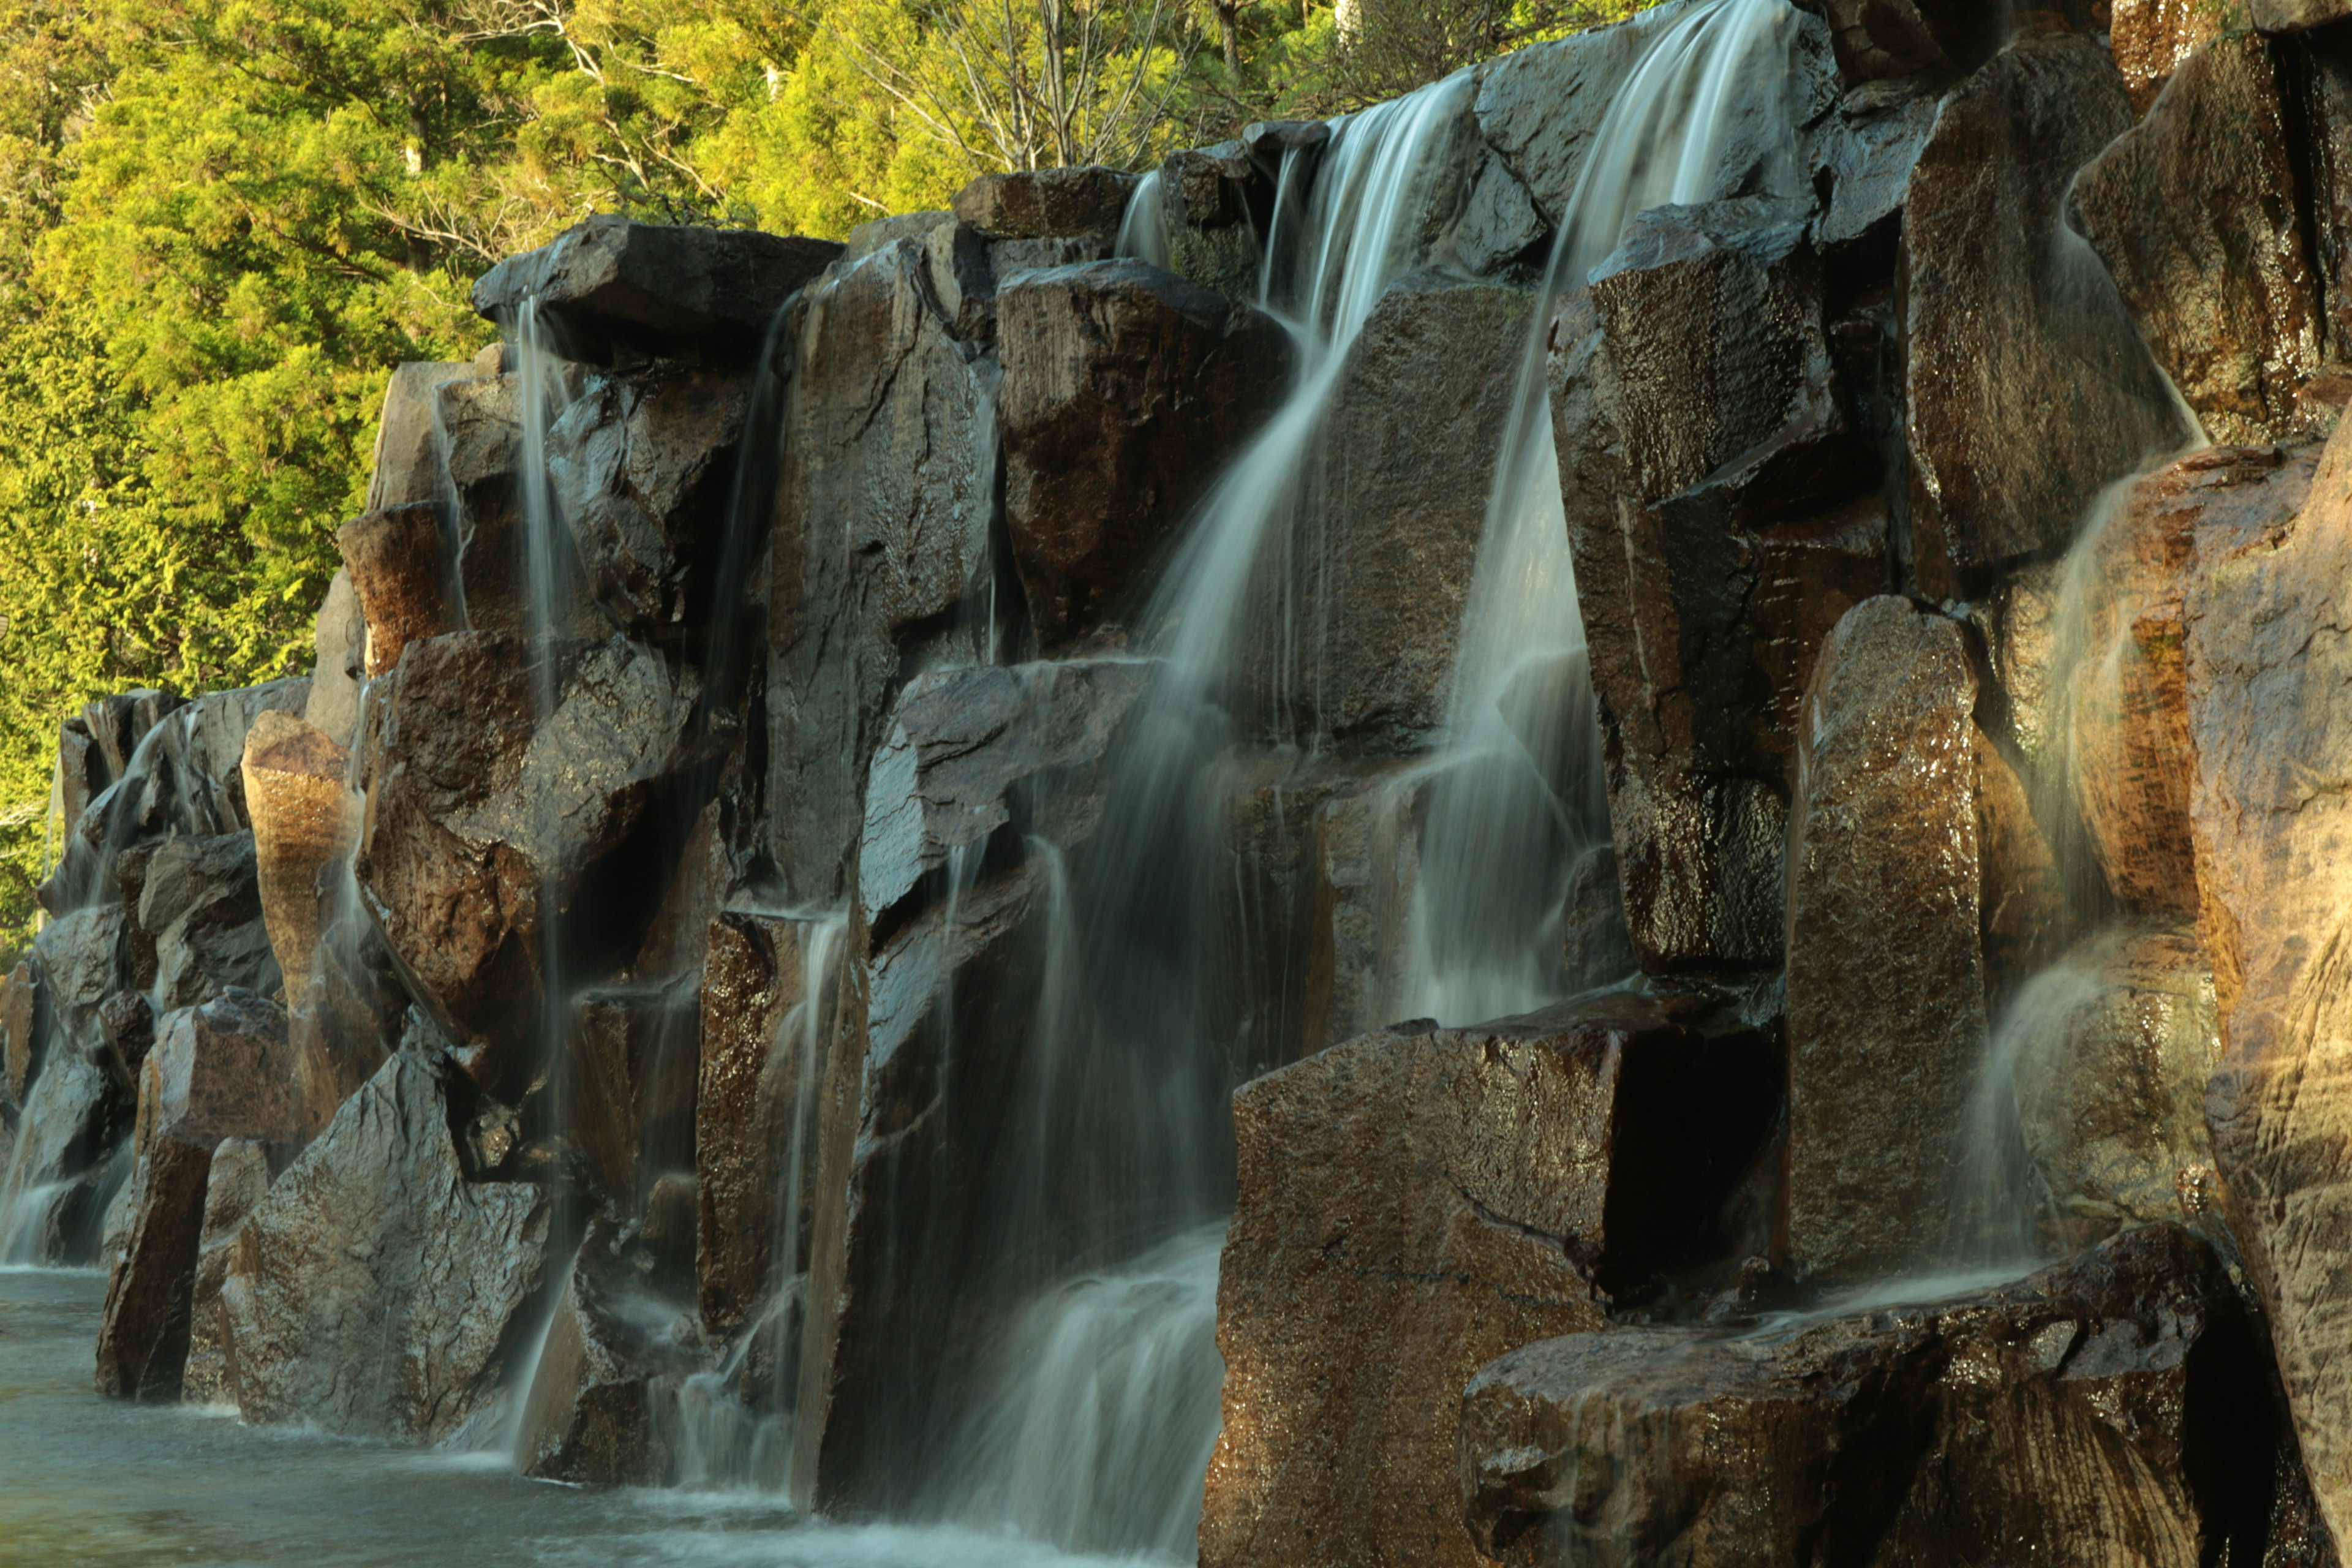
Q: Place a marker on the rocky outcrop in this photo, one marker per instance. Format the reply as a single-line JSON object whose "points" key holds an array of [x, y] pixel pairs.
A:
{"points": [[340, 646], [197, 926], [57, 1183], [407, 470], [142, 1336], [2285, 16], [375, 1292], [2011, 330], [2106, 1409], [223, 1071], [2269, 695], [2191, 211], [1887, 976], [628, 1087], [1126, 392], [237, 1181], [2152, 38], [1040, 203], [1876, 39], [1410, 1201], [592, 1413], [612, 283], [24, 1023], [485, 825]]}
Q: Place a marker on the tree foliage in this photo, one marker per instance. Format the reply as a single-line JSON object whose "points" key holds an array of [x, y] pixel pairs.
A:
{"points": [[222, 222]]}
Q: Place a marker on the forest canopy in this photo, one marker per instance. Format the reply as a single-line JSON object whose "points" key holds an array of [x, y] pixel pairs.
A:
{"points": [[222, 222]]}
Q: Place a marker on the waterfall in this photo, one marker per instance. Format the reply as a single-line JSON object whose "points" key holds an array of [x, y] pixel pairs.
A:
{"points": [[1514, 790], [1143, 227]]}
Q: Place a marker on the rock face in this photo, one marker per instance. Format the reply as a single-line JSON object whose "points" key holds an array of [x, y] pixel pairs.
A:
{"points": [[1126, 390], [2103, 1410], [2010, 332], [2152, 38], [340, 643], [610, 280], [1359, 634], [2270, 693], [2282, 16], [223, 1072], [403, 567], [237, 1183], [1721, 505], [1886, 1011], [374, 1291], [1414, 1199], [484, 826], [2188, 209], [198, 927], [882, 528], [1876, 39], [1038, 203], [641, 468], [592, 1413]]}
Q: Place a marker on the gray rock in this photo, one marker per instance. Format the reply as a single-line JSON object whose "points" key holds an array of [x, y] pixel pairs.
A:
{"points": [[1499, 225], [484, 823], [142, 1336], [223, 1071], [1042, 203], [1596, 949], [1126, 392], [1865, 154], [483, 421], [341, 644], [55, 1190], [1208, 195], [2013, 330], [591, 1415], [962, 266], [201, 906], [642, 467], [238, 1181], [1412, 1201], [84, 962], [2287, 15], [408, 470], [2214, 269], [610, 281], [374, 1293], [875, 234], [2101, 1410], [967, 750], [882, 528]]}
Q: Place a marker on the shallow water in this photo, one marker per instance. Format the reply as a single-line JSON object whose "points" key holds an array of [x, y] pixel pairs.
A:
{"points": [[89, 1481]]}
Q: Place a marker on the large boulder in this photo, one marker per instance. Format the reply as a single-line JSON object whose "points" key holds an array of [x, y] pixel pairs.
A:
{"points": [[501, 584], [485, 823], [594, 1412], [1724, 511], [340, 644], [2011, 329], [1413, 1202], [407, 470], [198, 927], [970, 752], [1126, 390], [23, 1029], [612, 282], [223, 1071], [2189, 210], [1892, 875], [375, 1292], [881, 532], [1039, 203], [2108, 1410], [641, 467], [2270, 700], [298, 794]]}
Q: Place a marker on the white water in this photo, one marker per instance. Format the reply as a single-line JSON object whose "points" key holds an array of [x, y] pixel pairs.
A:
{"points": [[1516, 789], [1143, 227]]}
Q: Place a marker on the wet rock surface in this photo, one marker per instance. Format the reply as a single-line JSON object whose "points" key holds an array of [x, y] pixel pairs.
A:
{"points": [[1414, 1199], [297, 792], [2107, 1406], [373, 1291], [235, 1182], [1127, 390], [2269, 681], [143, 1339], [592, 1413]]}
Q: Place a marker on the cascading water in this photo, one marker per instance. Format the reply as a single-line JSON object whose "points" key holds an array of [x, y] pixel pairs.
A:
{"points": [[1514, 790]]}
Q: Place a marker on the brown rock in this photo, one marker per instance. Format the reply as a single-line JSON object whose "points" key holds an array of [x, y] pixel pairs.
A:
{"points": [[1126, 390], [23, 1024], [375, 1292], [483, 824], [1879, 38], [759, 1078], [2213, 265], [2270, 700], [302, 811], [1035, 204], [400, 566], [2152, 38], [2106, 1410], [238, 1181], [628, 1087], [2129, 693], [1886, 1009], [224, 1072], [1414, 1199], [143, 1335], [2011, 329]]}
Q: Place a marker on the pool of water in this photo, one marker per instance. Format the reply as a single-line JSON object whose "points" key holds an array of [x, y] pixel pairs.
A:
{"points": [[86, 1481]]}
